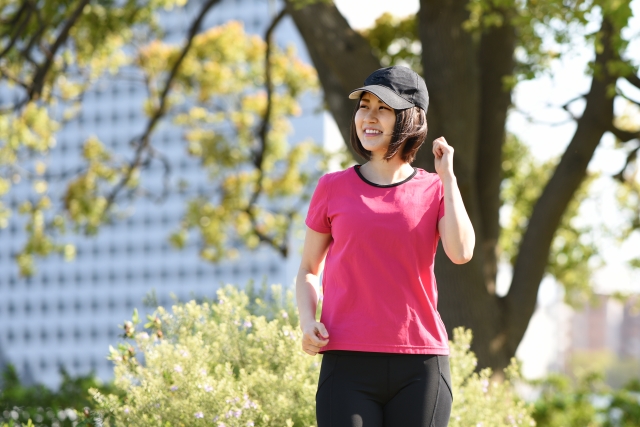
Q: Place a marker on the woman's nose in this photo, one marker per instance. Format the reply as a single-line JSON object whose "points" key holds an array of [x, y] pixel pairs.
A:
{"points": [[371, 116]]}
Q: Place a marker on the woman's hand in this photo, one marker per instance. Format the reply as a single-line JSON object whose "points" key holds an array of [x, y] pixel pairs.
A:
{"points": [[443, 153], [314, 337]]}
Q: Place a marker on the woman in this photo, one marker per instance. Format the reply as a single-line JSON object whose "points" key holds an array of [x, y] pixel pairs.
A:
{"points": [[374, 229]]}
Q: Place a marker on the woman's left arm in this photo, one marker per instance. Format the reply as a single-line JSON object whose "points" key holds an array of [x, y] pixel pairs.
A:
{"points": [[456, 231]]}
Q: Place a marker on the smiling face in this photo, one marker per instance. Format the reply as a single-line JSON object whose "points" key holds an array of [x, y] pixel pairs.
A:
{"points": [[374, 124]]}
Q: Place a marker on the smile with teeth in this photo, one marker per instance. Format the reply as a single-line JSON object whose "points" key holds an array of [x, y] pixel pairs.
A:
{"points": [[372, 132]]}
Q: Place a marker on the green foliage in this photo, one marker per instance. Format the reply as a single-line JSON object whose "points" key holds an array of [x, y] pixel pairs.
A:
{"points": [[213, 86], [395, 41], [584, 401], [479, 399], [237, 361], [20, 404], [216, 364], [572, 252]]}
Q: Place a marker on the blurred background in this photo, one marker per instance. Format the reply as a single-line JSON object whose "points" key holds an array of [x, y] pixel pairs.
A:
{"points": [[154, 151]]}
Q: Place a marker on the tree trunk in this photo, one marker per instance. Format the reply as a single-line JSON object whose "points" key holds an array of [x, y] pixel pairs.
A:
{"points": [[341, 56], [534, 249]]}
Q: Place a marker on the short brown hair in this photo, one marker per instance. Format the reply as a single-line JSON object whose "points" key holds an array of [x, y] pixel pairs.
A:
{"points": [[410, 130]]}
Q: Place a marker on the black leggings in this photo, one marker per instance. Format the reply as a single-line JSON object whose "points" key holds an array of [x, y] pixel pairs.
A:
{"points": [[362, 389]]}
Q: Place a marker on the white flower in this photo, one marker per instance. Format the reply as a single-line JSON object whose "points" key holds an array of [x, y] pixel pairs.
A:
{"points": [[199, 415], [208, 388], [285, 316], [177, 368], [247, 324]]}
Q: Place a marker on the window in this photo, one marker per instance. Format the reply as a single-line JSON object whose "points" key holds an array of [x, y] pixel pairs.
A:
{"points": [[77, 306], [10, 336], [44, 307], [44, 335], [11, 308], [77, 334], [43, 364], [94, 305], [61, 306], [94, 333], [27, 307], [60, 334], [26, 334]]}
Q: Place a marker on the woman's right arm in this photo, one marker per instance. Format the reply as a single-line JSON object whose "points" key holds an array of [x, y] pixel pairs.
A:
{"points": [[314, 334]]}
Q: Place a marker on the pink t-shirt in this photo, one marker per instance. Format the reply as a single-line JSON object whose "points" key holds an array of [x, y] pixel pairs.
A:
{"points": [[380, 292]]}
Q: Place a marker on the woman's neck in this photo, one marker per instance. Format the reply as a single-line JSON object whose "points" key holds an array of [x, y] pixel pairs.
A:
{"points": [[384, 172]]}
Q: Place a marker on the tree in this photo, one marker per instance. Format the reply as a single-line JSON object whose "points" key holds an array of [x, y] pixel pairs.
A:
{"points": [[52, 55], [231, 93], [468, 54]]}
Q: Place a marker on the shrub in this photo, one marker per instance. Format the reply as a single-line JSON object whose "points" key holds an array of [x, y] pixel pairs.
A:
{"points": [[219, 363], [20, 404]]}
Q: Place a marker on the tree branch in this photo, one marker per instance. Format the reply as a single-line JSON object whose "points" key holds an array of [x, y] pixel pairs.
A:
{"points": [[631, 157], [41, 74], [144, 139], [263, 131], [20, 28], [634, 80], [623, 135], [535, 247]]}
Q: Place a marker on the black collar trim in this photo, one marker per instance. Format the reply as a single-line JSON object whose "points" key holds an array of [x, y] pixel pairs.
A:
{"points": [[395, 184]]}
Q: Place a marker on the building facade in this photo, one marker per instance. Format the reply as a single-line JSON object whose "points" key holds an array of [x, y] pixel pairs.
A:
{"points": [[67, 314]]}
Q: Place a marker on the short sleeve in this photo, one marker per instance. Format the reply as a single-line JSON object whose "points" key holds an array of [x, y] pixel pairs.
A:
{"points": [[318, 217], [441, 207]]}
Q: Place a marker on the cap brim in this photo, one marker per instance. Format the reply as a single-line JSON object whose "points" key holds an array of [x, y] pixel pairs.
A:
{"points": [[387, 96]]}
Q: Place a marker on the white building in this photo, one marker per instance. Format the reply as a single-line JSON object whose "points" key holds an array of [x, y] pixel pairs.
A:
{"points": [[68, 313]]}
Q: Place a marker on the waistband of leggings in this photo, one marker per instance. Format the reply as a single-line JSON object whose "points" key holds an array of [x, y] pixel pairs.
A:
{"points": [[351, 353]]}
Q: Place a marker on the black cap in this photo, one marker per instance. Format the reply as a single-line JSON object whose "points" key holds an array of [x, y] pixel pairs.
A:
{"points": [[398, 87]]}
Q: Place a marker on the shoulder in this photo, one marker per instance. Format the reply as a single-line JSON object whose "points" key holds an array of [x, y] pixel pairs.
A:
{"points": [[330, 178], [427, 179]]}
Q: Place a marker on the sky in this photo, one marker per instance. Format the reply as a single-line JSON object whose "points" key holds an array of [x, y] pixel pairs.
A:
{"points": [[540, 100]]}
